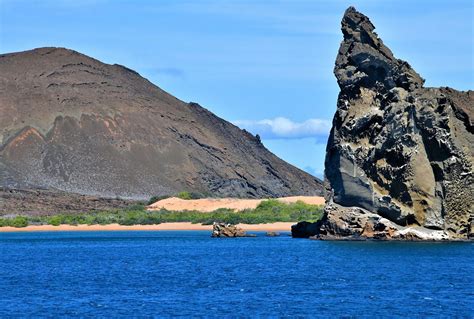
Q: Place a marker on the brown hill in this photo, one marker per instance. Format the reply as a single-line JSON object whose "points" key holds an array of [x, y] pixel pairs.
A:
{"points": [[72, 123]]}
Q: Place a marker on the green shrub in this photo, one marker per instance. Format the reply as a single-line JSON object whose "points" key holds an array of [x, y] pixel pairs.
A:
{"points": [[136, 207], [55, 220], [19, 221], [184, 195]]}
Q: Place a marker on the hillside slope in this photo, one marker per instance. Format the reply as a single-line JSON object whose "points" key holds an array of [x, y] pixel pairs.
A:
{"points": [[72, 123]]}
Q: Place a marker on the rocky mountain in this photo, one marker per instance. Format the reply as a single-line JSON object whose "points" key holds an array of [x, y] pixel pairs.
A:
{"points": [[71, 123], [399, 160]]}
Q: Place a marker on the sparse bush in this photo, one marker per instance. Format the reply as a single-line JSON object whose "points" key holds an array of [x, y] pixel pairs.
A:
{"points": [[136, 207], [191, 195], [195, 195], [154, 199], [184, 195]]}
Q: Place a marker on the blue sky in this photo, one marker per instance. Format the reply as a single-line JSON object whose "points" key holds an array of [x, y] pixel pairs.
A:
{"points": [[265, 65]]}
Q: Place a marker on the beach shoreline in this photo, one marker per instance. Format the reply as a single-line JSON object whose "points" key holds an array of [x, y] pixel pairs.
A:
{"points": [[182, 226]]}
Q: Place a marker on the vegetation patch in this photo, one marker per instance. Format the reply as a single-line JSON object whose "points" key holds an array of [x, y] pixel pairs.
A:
{"points": [[268, 211]]}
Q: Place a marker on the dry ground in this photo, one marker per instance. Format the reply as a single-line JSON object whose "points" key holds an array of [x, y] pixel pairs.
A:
{"points": [[211, 204]]}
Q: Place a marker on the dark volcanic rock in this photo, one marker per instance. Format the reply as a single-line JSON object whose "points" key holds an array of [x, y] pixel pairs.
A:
{"points": [[398, 154], [305, 229], [72, 123]]}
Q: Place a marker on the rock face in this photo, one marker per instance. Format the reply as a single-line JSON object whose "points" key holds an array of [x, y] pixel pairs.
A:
{"points": [[305, 229], [75, 124], [399, 160], [227, 230], [355, 223]]}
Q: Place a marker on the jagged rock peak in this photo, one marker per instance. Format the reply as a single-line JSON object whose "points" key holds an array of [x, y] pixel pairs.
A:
{"points": [[364, 60], [399, 160]]}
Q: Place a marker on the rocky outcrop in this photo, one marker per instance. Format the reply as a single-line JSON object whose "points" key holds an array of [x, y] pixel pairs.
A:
{"points": [[305, 229], [227, 230], [399, 160], [71, 123], [355, 223]]}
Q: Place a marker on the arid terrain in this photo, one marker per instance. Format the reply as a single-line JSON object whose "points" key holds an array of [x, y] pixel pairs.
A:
{"points": [[212, 204], [74, 125], [44, 202]]}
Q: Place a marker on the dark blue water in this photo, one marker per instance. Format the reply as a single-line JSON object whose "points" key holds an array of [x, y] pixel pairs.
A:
{"points": [[164, 274]]}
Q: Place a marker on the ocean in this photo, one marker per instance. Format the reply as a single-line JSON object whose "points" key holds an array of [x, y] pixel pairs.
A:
{"points": [[188, 274]]}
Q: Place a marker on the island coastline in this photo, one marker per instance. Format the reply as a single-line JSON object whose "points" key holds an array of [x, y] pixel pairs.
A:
{"points": [[180, 226]]}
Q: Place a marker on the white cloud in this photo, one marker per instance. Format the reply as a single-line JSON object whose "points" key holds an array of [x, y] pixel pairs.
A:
{"points": [[283, 128]]}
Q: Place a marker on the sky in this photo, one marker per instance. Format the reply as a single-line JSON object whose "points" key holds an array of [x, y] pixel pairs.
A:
{"points": [[266, 66]]}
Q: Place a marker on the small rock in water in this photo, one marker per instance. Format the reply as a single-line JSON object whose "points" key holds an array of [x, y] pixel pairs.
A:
{"points": [[272, 234], [227, 230]]}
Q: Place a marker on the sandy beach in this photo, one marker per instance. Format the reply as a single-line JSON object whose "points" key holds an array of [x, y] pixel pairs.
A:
{"points": [[237, 204], [279, 226], [177, 204]]}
